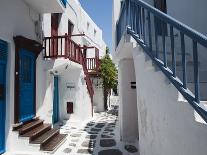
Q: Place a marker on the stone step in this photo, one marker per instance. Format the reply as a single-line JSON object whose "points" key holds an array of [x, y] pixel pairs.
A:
{"points": [[47, 136], [29, 126], [34, 133], [54, 143]]}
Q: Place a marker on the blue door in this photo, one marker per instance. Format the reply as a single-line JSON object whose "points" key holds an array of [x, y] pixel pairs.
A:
{"points": [[26, 85], [56, 101], [3, 58]]}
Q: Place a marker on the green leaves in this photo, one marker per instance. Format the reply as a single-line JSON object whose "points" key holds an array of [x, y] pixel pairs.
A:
{"points": [[108, 72]]}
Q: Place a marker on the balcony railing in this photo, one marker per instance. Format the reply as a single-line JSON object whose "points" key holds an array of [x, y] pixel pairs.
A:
{"points": [[93, 65], [64, 47], [142, 22]]}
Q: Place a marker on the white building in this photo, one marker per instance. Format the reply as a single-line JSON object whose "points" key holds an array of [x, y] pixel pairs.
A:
{"points": [[159, 62], [34, 87], [74, 21]]}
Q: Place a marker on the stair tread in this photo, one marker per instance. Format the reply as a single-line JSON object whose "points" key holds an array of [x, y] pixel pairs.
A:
{"points": [[54, 142], [36, 130], [41, 139], [29, 125]]}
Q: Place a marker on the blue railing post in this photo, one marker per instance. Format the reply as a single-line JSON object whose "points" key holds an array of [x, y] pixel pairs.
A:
{"points": [[143, 16], [196, 72], [140, 21], [164, 45], [183, 60], [173, 51], [149, 29], [128, 11]]}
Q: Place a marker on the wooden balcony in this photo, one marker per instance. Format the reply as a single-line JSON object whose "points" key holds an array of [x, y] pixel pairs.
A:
{"points": [[65, 47], [93, 65]]}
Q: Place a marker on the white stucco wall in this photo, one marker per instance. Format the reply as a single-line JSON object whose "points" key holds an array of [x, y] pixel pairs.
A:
{"points": [[79, 18], [82, 107], [98, 98], [166, 124], [128, 100], [45, 85], [16, 19]]}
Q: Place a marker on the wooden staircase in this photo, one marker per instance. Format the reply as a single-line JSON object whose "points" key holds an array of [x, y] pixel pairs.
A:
{"points": [[42, 134]]}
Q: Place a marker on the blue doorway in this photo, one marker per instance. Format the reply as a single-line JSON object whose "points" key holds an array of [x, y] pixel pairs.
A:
{"points": [[26, 85], [3, 60], [56, 101]]}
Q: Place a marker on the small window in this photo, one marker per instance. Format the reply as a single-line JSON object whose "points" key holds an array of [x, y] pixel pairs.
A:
{"points": [[70, 28]]}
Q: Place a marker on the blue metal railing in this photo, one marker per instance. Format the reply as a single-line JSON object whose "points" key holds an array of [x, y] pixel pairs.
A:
{"points": [[139, 19], [64, 2]]}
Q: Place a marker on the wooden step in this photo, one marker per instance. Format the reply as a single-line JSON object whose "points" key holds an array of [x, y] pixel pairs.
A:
{"points": [[54, 143], [17, 126], [44, 138], [29, 126], [34, 133]]}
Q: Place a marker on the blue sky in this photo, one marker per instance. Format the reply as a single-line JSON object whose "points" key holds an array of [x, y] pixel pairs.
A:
{"points": [[101, 13]]}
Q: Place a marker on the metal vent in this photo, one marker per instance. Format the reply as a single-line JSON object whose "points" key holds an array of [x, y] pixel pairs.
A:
{"points": [[3, 50]]}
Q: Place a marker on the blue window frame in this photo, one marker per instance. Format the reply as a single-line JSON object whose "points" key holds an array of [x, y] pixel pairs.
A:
{"points": [[64, 2]]}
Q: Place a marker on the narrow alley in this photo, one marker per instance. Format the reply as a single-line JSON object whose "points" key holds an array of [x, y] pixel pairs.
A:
{"points": [[99, 136]]}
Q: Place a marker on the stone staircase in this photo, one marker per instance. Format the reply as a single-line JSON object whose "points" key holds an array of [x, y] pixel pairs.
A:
{"points": [[42, 134]]}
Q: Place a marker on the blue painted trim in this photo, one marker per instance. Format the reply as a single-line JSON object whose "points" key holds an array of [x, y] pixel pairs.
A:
{"points": [[173, 51], [56, 100], [135, 29], [200, 38], [3, 62], [196, 72], [169, 75], [64, 2], [164, 44], [149, 29], [183, 60], [26, 113]]}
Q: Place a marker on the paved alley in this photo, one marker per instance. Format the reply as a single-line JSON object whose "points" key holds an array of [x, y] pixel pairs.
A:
{"points": [[98, 137]]}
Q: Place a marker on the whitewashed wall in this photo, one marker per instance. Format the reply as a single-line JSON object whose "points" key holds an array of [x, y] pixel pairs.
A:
{"points": [[82, 105], [79, 95], [45, 85], [128, 99], [16, 19], [98, 98], [167, 124], [79, 18]]}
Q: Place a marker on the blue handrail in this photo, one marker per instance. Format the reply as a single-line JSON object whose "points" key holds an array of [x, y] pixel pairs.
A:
{"points": [[139, 19]]}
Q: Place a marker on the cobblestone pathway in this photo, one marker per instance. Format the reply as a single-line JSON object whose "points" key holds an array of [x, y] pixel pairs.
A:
{"points": [[98, 137]]}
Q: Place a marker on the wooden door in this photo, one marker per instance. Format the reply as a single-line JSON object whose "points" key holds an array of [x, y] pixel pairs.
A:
{"points": [[26, 85]]}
